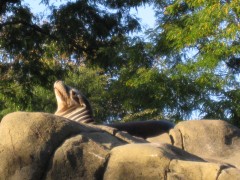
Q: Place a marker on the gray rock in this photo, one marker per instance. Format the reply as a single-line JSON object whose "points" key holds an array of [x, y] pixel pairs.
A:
{"points": [[213, 140], [78, 158], [28, 141], [45, 146], [144, 161]]}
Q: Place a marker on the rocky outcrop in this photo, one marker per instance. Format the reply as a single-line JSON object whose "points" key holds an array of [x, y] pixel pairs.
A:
{"points": [[45, 146], [213, 140]]}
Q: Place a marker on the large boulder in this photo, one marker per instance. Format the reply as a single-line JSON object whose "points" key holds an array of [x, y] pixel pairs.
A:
{"points": [[39, 145], [45, 146], [213, 140]]}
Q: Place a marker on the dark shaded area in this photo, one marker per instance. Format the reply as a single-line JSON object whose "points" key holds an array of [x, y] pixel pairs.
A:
{"points": [[234, 64], [144, 129], [4, 3]]}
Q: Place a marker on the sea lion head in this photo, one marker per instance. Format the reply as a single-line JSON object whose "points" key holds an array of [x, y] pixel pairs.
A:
{"points": [[69, 98]]}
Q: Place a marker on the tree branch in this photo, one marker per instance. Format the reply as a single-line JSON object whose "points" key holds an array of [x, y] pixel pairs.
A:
{"points": [[3, 4], [33, 26]]}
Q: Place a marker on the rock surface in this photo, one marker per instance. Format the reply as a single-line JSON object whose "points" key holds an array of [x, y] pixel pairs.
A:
{"points": [[213, 140], [44, 146]]}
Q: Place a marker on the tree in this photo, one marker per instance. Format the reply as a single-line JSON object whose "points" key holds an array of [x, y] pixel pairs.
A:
{"points": [[36, 52], [189, 65], [199, 40]]}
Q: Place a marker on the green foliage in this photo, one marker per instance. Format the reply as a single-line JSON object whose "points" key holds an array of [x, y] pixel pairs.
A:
{"points": [[36, 52], [211, 27], [200, 41]]}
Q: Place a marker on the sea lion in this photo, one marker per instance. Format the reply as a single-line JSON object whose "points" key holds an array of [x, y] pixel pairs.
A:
{"points": [[72, 104]]}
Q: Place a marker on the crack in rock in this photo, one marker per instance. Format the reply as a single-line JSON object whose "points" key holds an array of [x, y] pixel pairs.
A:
{"points": [[182, 140], [222, 167], [17, 158], [167, 170], [99, 175], [46, 165], [172, 139]]}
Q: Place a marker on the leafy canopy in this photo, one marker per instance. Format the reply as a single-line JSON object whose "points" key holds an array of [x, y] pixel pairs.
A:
{"points": [[200, 41], [188, 66]]}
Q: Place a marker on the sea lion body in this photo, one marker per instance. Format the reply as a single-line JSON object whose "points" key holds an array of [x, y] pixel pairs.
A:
{"points": [[72, 104]]}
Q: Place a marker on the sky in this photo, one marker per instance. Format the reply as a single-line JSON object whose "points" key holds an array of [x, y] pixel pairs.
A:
{"points": [[146, 14]]}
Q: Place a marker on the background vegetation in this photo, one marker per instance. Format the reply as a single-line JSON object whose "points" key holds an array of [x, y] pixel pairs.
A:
{"points": [[186, 66]]}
